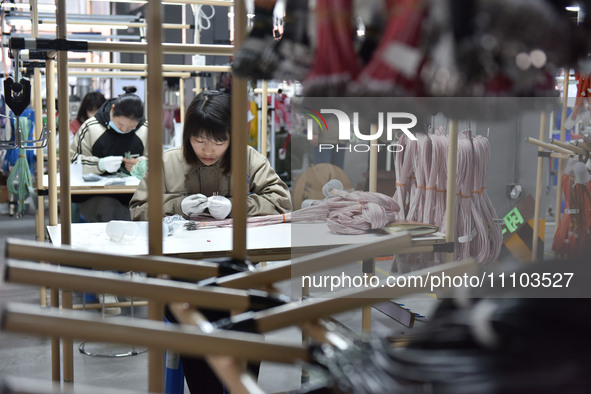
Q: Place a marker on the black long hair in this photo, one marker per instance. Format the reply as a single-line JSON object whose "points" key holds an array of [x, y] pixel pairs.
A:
{"points": [[209, 116], [91, 101], [129, 105]]}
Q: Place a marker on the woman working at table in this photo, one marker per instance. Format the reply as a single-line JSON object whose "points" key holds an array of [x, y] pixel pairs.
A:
{"points": [[114, 140], [197, 174], [197, 180]]}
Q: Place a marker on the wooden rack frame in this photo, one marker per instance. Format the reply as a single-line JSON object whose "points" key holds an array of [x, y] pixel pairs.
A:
{"points": [[154, 48], [212, 344]]}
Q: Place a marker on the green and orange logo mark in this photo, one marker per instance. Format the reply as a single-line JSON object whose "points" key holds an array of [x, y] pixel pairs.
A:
{"points": [[316, 115]]}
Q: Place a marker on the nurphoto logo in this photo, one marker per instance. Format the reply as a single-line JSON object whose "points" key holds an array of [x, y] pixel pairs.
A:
{"points": [[390, 122]]}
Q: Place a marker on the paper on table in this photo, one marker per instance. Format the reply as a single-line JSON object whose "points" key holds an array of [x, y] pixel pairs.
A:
{"points": [[414, 228]]}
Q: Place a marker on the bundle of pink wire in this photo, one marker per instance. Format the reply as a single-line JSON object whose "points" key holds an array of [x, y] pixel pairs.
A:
{"points": [[354, 212], [344, 212], [394, 67], [253, 221], [335, 61], [421, 176]]}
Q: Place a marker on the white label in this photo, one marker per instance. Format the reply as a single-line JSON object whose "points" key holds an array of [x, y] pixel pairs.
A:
{"points": [[467, 238], [403, 58]]}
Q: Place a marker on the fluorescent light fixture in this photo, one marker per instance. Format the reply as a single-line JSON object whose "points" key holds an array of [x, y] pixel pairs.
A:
{"points": [[27, 6], [573, 8], [226, 3], [45, 25]]}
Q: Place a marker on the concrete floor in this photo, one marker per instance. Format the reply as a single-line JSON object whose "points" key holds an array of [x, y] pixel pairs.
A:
{"points": [[25, 356]]}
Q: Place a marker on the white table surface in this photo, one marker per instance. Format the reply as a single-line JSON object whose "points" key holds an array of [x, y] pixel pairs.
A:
{"points": [[123, 184], [274, 239]]}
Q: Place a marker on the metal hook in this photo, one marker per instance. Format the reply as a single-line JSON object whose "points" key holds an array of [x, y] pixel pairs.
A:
{"points": [[18, 98], [26, 144]]}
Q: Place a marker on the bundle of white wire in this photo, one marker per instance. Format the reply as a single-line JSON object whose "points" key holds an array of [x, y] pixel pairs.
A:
{"points": [[421, 176]]}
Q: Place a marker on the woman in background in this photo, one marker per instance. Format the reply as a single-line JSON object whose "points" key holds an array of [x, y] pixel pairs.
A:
{"points": [[90, 104], [114, 140]]}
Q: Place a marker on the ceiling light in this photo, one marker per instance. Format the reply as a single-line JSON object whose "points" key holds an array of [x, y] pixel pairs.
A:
{"points": [[45, 25], [27, 6]]}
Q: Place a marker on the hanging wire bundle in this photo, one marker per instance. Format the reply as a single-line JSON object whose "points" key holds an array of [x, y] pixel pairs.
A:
{"points": [[484, 248], [335, 61], [464, 227], [477, 234], [437, 179], [20, 175], [421, 179], [573, 234], [581, 111], [293, 53], [405, 179], [424, 47], [496, 48], [249, 60], [560, 241], [421, 164], [393, 68]]}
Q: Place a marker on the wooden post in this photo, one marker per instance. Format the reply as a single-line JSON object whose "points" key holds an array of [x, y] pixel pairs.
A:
{"points": [[198, 41], [39, 164], [560, 169], [538, 201], [154, 61], [182, 99], [373, 162], [65, 203], [450, 202], [52, 188], [239, 144], [51, 142], [369, 264], [264, 117]]}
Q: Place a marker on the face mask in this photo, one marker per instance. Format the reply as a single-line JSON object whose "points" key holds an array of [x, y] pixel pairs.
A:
{"points": [[112, 125]]}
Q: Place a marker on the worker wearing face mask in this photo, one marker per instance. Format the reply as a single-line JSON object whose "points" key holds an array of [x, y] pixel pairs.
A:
{"points": [[115, 138]]}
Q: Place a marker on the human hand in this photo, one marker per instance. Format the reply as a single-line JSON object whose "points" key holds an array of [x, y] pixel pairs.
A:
{"points": [[219, 207], [194, 204], [129, 163], [110, 163]]}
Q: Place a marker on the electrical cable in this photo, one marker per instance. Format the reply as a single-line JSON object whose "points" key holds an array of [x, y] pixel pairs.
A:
{"points": [[202, 19]]}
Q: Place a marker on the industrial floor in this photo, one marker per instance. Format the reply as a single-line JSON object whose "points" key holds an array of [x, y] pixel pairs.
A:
{"points": [[29, 357]]}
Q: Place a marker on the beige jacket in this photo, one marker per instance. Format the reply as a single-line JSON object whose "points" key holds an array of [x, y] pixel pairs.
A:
{"points": [[268, 195]]}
